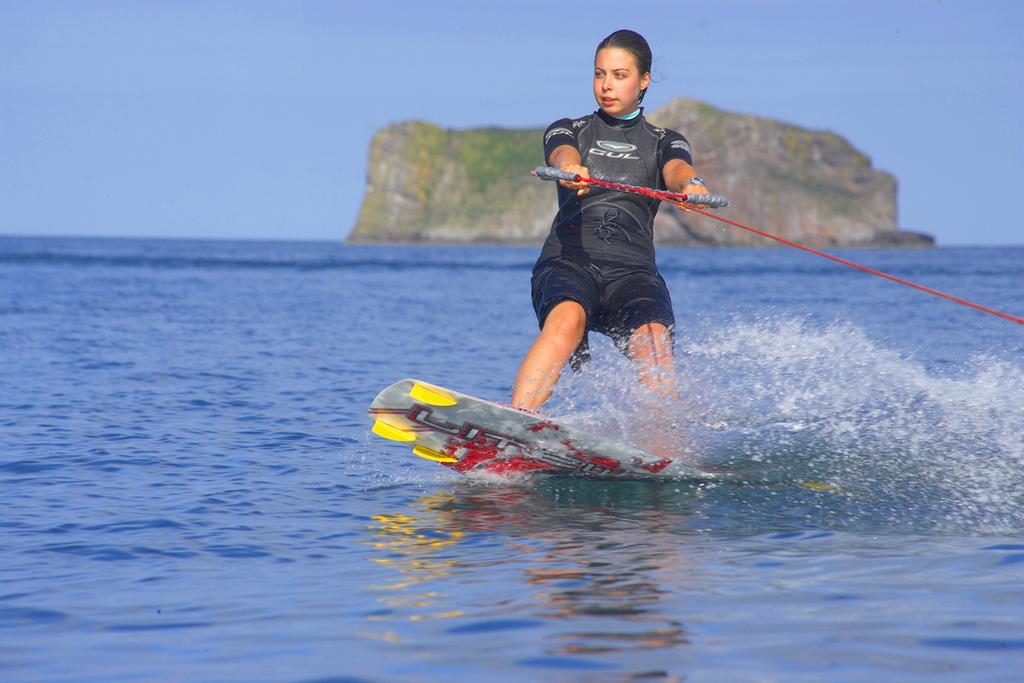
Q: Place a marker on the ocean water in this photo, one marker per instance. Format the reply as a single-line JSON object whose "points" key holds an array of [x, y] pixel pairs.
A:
{"points": [[190, 491]]}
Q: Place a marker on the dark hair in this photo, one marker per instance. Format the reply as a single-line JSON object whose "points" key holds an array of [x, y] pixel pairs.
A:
{"points": [[634, 43]]}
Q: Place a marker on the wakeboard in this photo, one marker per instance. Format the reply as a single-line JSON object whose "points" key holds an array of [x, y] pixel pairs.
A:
{"points": [[469, 434]]}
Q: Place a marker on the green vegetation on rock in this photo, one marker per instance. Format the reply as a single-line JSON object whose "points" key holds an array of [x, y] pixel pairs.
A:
{"points": [[492, 153]]}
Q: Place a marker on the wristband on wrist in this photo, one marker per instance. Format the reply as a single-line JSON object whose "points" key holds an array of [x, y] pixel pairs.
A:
{"points": [[696, 180]]}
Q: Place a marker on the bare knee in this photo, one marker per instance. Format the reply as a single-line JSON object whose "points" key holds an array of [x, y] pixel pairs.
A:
{"points": [[651, 343], [566, 322]]}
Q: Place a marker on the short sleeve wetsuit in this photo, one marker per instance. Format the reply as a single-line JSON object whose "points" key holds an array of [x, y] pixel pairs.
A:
{"points": [[600, 252]]}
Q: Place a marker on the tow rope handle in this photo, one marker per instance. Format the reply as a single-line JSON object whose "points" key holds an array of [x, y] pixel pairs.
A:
{"points": [[710, 201]]}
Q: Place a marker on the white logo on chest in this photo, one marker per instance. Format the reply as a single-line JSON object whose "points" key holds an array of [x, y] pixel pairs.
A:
{"points": [[614, 150]]}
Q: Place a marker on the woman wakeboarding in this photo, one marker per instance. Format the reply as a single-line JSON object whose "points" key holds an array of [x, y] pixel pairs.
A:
{"points": [[597, 270]]}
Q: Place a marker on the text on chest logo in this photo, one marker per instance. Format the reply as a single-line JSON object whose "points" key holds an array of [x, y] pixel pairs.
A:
{"points": [[614, 150]]}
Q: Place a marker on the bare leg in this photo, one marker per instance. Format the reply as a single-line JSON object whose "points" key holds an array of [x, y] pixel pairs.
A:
{"points": [[538, 373], [650, 349]]}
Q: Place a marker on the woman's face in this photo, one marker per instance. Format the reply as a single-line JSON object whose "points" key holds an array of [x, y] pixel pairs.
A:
{"points": [[617, 81]]}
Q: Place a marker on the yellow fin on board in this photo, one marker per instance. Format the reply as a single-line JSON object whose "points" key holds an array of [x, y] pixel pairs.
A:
{"points": [[394, 433], [431, 395], [430, 454]]}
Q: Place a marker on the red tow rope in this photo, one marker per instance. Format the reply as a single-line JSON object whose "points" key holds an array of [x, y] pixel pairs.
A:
{"points": [[847, 262], [689, 204]]}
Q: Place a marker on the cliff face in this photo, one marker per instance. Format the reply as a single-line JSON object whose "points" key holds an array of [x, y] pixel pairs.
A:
{"points": [[428, 184]]}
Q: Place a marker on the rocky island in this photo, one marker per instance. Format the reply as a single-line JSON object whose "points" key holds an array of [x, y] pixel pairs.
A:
{"points": [[426, 184]]}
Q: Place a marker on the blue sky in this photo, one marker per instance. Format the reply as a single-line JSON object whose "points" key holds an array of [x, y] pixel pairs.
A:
{"points": [[253, 119]]}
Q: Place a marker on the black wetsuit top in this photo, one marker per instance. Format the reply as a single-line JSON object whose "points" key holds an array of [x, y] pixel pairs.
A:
{"points": [[611, 232]]}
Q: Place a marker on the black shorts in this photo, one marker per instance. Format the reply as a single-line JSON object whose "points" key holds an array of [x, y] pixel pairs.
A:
{"points": [[615, 305]]}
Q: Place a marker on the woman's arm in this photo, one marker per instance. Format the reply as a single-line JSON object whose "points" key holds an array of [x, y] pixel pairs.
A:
{"points": [[677, 173], [567, 158]]}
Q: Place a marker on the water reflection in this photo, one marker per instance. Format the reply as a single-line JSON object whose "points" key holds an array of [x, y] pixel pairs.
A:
{"points": [[600, 574], [600, 565], [409, 543]]}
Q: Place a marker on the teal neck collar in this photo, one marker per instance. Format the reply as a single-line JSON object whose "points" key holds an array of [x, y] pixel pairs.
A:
{"points": [[628, 117]]}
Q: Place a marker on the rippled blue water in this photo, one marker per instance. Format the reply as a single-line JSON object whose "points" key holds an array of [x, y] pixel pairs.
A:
{"points": [[190, 492]]}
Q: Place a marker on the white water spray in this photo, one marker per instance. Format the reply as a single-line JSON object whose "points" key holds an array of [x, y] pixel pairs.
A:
{"points": [[786, 400]]}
